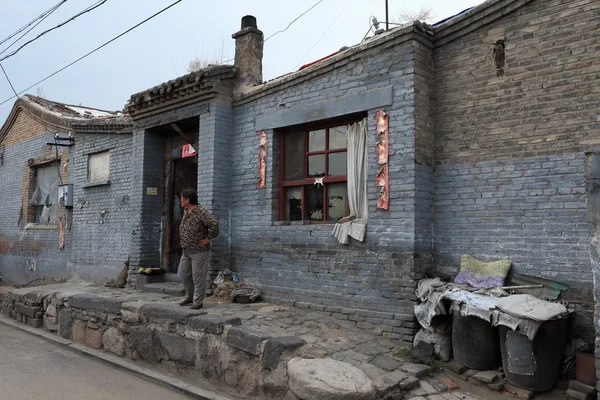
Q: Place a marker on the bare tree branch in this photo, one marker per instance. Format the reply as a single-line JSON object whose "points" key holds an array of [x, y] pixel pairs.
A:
{"points": [[424, 14], [201, 62]]}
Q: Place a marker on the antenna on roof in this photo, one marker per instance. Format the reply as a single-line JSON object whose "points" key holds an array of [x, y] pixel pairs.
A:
{"points": [[387, 19]]}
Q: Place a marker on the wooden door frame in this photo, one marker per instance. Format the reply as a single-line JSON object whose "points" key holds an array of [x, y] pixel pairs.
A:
{"points": [[167, 214]]}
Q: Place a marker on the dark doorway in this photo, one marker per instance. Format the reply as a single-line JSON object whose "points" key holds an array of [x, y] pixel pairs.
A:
{"points": [[185, 174], [181, 171]]}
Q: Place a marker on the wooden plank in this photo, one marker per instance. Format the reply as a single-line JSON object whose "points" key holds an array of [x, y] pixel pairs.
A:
{"points": [[180, 133], [167, 217]]}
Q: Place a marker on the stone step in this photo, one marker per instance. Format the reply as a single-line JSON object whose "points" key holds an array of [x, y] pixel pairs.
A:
{"points": [[169, 288]]}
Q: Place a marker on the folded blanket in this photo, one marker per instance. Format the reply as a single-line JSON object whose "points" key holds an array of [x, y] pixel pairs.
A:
{"points": [[480, 274]]}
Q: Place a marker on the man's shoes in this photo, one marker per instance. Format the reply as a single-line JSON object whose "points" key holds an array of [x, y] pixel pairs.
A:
{"points": [[196, 306], [186, 302]]}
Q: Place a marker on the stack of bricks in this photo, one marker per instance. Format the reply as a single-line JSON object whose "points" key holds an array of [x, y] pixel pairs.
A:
{"points": [[580, 391], [30, 313]]}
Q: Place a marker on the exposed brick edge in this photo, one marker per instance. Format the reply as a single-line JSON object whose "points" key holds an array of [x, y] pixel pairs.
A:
{"points": [[482, 15], [415, 31], [405, 331]]}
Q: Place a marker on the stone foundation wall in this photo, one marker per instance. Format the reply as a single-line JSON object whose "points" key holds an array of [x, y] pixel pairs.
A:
{"points": [[237, 359]]}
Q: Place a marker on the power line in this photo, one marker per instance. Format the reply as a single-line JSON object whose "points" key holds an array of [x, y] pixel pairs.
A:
{"points": [[90, 8], [325, 33], [43, 15], [93, 51], [29, 30], [8, 79], [296, 19], [283, 30]]}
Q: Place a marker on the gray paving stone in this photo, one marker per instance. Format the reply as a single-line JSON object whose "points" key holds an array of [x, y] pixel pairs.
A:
{"points": [[386, 363], [276, 346], [369, 349], [417, 370], [174, 312], [428, 387], [409, 383], [91, 302], [246, 339], [211, 323]]}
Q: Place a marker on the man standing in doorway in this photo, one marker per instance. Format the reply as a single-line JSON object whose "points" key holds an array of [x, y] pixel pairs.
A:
{"points": [[198, 227]]}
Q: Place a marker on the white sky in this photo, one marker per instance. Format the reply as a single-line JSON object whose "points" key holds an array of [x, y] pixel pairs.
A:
{"points": [[160, 49]]}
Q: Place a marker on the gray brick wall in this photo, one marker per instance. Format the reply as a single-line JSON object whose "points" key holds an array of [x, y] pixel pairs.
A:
{"points": [[304, 262], [26, 255], [214, 175], [147, 171], [509, 177], [424, 145], [102, 216], [530, 211]]}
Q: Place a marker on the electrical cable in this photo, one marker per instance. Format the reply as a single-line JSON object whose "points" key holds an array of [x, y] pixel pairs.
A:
{"points": [[296, 19], [9, 82], [90, 8], [325, 33], [43, 15], [26, 32], [93, 51]]}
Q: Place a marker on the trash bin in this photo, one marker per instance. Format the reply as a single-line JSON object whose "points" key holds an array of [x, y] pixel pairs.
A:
{"points": [[475, 342], [533, 365]]}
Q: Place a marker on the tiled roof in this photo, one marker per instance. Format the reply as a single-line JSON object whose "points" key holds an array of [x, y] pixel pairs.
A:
{"points": [[179, 90], [71, 111]]}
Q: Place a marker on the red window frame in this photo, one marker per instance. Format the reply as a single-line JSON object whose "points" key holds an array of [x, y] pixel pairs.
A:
{"points": [[305, 129]]}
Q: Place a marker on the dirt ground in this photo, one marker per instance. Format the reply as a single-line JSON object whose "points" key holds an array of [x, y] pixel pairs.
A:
{"points": [[484, 392]]}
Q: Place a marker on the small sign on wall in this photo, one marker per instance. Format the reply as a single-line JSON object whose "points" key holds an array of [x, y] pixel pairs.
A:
{"points": [[188, 151], [152, 191]]}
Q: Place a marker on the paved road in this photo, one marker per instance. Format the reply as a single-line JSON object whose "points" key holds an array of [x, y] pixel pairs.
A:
{"points": [[32, 368]]}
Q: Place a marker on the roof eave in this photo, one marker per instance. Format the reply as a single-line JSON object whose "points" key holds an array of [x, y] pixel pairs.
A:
{"points": [[416, 30]]}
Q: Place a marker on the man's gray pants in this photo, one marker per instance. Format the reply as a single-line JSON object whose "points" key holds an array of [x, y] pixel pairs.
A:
{"points": [[193, 267]]}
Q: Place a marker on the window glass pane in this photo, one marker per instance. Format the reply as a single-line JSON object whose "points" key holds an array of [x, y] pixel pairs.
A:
{"points": [[314, 202], [293, 204], [316, 140], [337, 164], [316, 165], [294, 156], [98, 167], [337, 201], [337, 137]]}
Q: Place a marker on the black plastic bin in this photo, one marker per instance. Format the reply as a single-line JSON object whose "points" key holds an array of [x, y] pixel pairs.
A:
{"points": [[475, 342], [533, 365]]}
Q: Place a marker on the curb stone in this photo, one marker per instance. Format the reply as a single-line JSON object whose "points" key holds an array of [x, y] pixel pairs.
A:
{"points": [[115, 361]]}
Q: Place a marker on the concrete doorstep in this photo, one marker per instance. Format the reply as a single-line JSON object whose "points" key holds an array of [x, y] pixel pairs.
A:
{"points": [[118, 362]]}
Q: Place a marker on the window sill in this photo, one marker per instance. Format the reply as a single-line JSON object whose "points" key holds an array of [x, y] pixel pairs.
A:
{"points": [[303, 223], [38, 227], [95, 184]]}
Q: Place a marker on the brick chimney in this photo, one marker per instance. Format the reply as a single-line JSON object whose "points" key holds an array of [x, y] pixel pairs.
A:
{"points": [[249, 43]]}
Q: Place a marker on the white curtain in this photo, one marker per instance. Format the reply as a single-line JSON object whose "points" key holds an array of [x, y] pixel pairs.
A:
{"points": [[46, 192], [357, 185]]}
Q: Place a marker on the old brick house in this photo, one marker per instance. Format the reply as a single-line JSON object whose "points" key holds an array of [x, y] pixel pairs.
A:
{"points": [[40, 238], [490, 115]]}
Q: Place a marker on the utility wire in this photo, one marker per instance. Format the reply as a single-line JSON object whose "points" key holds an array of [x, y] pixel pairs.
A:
{"points": [[325, 33], [27, 31], [90, 8], [283, 30], [43, 15], [295, 19], [8, 79], [93, 51]]}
